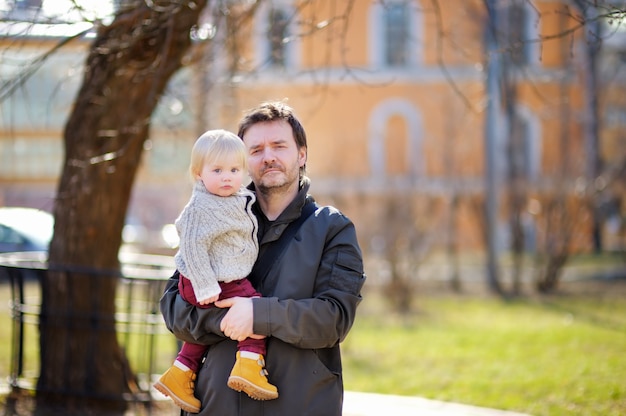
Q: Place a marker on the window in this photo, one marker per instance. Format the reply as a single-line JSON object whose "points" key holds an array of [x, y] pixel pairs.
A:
{"points": [[28, 4], [520, 152], [278, 35], [518, 33], [613, 38], [516, 37], [276, 47], [394, 28], [396, 33], [30, 158], [52, 18], [26, 10], [524, 146], [394, 133]]}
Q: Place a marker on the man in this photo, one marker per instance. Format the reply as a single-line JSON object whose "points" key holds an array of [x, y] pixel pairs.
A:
{"points": [[309, 271]]}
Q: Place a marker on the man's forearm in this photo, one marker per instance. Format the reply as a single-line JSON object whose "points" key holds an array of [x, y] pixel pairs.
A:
{"points": [[187, 322]]}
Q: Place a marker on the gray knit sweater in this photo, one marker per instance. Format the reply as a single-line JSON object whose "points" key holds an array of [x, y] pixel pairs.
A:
{"points": [[218, 239]]}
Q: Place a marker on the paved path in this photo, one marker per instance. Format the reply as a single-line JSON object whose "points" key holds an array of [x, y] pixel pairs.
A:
{"points": [[371, 404], [355, 404]]}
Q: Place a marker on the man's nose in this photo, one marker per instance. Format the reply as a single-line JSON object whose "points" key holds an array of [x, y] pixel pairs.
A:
{"points": [[268, 156]]}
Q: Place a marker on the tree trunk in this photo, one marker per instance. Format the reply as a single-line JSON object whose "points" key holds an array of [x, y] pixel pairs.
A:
{"points": [[452, 243], [492, 115], [127, 70], [592, 47], [560, 224], [516, 175]]}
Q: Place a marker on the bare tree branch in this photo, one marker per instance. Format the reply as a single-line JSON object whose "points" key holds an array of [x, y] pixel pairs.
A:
{"points": [[11, 85], [440, 61]]}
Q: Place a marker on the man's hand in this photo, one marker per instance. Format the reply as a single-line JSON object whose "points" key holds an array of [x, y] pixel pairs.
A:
{"points": [[238, 321]]}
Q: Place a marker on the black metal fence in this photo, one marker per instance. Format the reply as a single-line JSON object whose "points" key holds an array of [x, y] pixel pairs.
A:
{"points": [[138, 322]]}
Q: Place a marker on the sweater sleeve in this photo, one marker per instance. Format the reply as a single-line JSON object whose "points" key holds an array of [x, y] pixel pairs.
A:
{"points": [[198, 228]]}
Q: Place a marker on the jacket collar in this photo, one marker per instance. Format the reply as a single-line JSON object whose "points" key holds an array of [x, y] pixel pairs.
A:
{"points": [[290, 214]]}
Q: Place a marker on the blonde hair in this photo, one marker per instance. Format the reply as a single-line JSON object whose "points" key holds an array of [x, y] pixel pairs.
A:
{"points": [[214, 145]]}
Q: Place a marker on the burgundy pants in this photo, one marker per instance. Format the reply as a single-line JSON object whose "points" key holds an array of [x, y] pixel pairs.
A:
{"points": [[191, 354]]}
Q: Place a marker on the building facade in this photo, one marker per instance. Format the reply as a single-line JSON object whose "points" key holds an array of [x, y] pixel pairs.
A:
{"points": [[393, 95]]}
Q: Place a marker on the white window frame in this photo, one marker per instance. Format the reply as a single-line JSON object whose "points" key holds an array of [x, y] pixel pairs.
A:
{"points": [[377, 145], [376, 35], [263, 46]]}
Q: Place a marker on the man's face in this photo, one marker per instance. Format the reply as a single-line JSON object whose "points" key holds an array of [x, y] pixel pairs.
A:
{"points": [[274, 159]]}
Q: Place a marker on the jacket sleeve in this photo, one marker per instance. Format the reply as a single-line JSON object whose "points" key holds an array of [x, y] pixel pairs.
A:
{"points": [[187, 322], [333, 270]]}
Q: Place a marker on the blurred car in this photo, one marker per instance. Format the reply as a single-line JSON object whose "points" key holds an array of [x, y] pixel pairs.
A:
{"points": [[25, 229], [30, 229]]}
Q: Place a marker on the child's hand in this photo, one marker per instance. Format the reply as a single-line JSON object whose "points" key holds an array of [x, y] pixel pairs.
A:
{"points": [[210, 300]]}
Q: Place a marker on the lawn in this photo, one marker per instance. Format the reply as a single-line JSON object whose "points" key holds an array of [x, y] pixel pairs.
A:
{"points": [[557, 355], [554, 355]]}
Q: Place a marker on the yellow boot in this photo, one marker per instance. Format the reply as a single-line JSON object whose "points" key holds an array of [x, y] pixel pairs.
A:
{"points": [[178, 384], [250, 376]]}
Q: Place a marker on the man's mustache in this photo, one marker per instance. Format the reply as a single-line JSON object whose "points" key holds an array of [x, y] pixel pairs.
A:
{"points": [[272, 166]]}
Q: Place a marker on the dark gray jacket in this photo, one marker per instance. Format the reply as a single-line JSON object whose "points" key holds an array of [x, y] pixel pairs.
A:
{"points": [[309, 305]]}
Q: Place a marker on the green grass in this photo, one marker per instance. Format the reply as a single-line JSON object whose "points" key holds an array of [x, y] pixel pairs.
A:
{"points": [[557, 355], [150, 348], [552, 357]]}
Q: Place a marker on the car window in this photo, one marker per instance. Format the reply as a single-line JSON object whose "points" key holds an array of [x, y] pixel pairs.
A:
{"points": [[9, 236]]}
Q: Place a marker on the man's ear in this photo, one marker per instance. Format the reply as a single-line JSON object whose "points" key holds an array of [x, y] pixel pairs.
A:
{"points": [[302, 155]]}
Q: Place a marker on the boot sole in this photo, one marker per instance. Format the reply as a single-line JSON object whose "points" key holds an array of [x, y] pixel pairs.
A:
{"points": [[253, 391], [179, 402]]}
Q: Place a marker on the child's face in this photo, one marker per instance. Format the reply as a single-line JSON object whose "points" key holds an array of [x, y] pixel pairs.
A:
{"points": [[223, 177]]}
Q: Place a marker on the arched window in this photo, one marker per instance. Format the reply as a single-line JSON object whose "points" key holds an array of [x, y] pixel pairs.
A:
{"points": [[390, 119]]}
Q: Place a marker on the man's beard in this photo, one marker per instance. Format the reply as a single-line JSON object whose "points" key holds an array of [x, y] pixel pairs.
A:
{"points": [[277, 185]]}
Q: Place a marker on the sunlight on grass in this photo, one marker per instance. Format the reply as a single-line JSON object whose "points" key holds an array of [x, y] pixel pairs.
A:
{"points": [[546, 356], [533, 357], [31, 336], [149, 347]]}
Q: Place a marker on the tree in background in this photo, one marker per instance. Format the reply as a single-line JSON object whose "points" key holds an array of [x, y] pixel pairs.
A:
{"points": [[574, 190], [581, 187], [127, 70]]}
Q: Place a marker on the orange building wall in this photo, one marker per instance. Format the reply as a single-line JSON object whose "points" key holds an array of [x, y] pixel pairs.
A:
{"points": [[336, 106], [445, 89]]}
